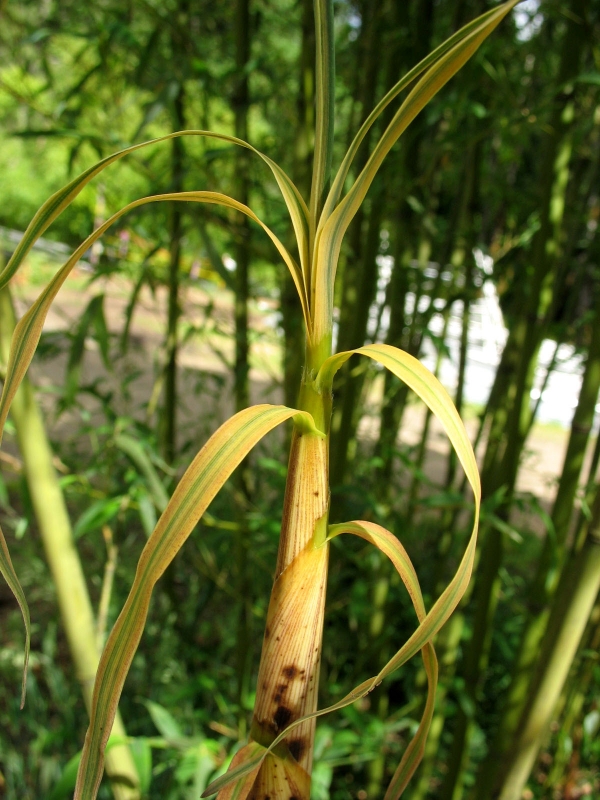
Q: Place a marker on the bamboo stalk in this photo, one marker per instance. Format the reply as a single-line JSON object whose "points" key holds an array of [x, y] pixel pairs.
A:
{"points": [[288, 675], [573, 604], [169, 416], [54, 526]]}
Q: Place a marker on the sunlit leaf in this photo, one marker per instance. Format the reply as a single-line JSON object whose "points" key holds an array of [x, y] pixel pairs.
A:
{"points": [[329, 237], [393, 549], [60, 200], [29, 328], [213, 465]]}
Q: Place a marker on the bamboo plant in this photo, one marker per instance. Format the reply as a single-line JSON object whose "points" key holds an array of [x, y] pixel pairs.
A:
{"points": [[277, 760]]}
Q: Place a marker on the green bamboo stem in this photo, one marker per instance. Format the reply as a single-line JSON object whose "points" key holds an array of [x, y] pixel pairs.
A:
{"points": [[54, 526], [169, 415], [413, 493], [351, 388], [578, 690], [571, 609], [501, 465], [291, 314], [243, 484], [542, 589]]}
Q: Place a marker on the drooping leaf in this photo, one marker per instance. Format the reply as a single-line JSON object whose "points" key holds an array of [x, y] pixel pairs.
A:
{"points": [[430, 390], [10, 576], [426, 386], [202, 480], [60, 200], [29, 328], [393, 549]]}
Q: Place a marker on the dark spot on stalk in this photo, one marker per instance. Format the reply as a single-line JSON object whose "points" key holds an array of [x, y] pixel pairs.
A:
{"points": [[281, 717], [297, 747], [281, 689], [293, 797], [316, 494], [267, 632], [290, 671]]}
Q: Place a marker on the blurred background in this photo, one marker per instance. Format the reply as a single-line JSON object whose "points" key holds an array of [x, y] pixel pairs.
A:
{"points": [[476, 250]]}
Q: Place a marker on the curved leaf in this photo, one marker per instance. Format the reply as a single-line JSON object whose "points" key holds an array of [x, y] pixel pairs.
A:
{"points": [[329, 239], [10, 576], [393, 549], [202, 480], [60, 200], [29, 328], [430, 390], [424, 384]]}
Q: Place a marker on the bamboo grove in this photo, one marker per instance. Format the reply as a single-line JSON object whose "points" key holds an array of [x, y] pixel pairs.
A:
{"points": [[296, 141]]}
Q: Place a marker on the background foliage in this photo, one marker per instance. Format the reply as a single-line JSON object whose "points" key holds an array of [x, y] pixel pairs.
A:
{"points": [[504, 162]]}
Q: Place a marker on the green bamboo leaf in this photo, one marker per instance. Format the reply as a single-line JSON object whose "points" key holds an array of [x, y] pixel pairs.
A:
{"points": [[29, 328], [10, 576], [202, 480], [60, 200], [329, 237], [136, 452], [77, 349], [325, 107]]}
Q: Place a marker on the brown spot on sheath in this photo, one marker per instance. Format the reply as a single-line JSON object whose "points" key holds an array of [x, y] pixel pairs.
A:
{"points": [[290, 671], [297, 747], [316, 494], [267, 632], [281, 689], [281, 717]]}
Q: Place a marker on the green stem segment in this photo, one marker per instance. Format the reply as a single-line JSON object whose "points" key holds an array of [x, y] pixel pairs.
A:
{"points": [[54, 526]]}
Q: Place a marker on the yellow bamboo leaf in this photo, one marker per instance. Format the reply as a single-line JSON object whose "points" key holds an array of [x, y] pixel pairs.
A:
{"points": [[328, 239], [337, 187], [393, 549], [29, 328], [207, 473], [61, 199]]}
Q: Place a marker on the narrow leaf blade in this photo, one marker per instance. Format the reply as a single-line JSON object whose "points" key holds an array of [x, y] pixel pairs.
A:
{"points": [[29, 328], [61, 199], [10, 576], [202, 480], [390, 546], [329, 237]]}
